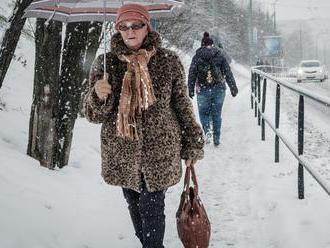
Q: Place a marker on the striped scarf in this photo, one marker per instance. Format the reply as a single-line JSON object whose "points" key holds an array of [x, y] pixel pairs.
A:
{"points": [[137, 92]]}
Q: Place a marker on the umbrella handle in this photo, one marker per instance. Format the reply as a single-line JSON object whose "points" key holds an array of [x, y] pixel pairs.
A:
{"points": [[54, 12], [104, 38], [106, 78], [104, 52]]}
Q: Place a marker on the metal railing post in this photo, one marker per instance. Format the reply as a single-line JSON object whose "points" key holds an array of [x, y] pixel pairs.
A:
{"points": [[255, 94], [260, 110], [252, 90], [277, 122], [301, 146], [264, 88], [259, 99]]}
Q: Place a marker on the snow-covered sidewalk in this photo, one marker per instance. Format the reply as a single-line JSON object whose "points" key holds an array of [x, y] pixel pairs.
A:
{"points": [[251, 201]]}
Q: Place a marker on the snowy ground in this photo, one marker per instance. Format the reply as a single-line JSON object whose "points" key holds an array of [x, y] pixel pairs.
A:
{"points": [[251, 202]]}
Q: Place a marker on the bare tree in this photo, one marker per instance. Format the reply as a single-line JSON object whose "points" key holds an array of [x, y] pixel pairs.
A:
{"points": [[93, 43], [11, 37], [42, 131], [69, 91], [59, 76]]}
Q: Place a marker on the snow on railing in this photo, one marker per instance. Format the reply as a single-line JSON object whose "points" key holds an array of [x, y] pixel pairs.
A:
{"points": [[258, 102], [277, 71]]}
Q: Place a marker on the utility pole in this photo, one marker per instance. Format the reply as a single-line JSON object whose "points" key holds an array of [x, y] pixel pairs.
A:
{"points": [[214, 6], [322, 50], [274, 15], [324, 53], [250, 33], [300, 44]]}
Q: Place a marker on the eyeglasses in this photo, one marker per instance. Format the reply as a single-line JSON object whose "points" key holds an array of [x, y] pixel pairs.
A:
{"points": [[134, 26]]}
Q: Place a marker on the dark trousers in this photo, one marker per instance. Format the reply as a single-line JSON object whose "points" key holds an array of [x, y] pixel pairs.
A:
{"points": [[147, 213], [210, 102]]}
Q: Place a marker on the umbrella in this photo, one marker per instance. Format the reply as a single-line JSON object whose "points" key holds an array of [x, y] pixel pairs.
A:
{"points": [[96, 10]]}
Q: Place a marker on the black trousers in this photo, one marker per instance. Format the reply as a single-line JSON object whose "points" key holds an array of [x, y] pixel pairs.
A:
{"points": [[147, 213]]}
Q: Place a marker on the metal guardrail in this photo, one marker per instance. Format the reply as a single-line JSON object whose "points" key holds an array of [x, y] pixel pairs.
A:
{"points": [[258, 102], [277, 71]]}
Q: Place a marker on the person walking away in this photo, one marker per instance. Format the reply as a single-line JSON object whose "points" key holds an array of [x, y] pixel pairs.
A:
{"points": [[148, 124], [208, 73], [259, 62]]}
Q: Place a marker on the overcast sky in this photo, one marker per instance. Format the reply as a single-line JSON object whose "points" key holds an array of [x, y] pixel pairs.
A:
{"points": [[297, 9]]}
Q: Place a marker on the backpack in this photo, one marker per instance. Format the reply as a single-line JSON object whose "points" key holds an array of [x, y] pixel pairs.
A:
{"points": [[208, 73]]}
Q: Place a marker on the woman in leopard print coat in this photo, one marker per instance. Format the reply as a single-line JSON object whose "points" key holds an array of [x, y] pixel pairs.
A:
{"points": [[166, 130]]}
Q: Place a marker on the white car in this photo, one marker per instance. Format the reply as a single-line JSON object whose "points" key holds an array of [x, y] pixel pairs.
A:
{"points": [[310, 70]]}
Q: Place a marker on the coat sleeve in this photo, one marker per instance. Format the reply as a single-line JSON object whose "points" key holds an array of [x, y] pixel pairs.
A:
{"points": [[96, 110], [192, 135], [225, 69], [192, 76]]}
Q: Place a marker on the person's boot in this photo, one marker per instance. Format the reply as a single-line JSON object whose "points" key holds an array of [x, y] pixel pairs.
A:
{"points": [[208, 137], [216, 142]]}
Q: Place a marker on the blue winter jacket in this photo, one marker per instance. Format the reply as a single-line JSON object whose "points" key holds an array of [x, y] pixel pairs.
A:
{"points": [[206, 53]]}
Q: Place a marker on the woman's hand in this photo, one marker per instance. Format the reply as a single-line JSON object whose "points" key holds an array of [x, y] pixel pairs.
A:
{"points": [[103, 88], [190, 162]]}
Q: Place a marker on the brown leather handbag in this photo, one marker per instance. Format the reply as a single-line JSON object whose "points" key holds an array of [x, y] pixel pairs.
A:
{"points": [[193, 225]]}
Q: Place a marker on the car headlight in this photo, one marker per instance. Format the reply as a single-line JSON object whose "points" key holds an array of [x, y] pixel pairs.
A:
{"points": [[300, 71], [320, 70]]}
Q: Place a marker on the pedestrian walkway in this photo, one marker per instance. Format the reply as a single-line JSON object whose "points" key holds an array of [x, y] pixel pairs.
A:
{"points": [[251, 202]]}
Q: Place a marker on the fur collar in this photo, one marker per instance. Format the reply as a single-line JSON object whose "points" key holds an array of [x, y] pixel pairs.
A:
{"points": [[118, 46]]}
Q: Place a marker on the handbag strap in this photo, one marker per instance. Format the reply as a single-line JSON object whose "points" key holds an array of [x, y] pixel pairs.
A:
{"points": [[190, 172]]}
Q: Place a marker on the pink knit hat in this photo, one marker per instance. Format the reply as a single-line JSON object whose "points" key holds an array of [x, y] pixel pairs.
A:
{"points": [[133, 11]]}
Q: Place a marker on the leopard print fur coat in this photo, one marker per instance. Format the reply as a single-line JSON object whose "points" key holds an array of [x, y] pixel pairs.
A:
{"points": [[167, 130]]}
